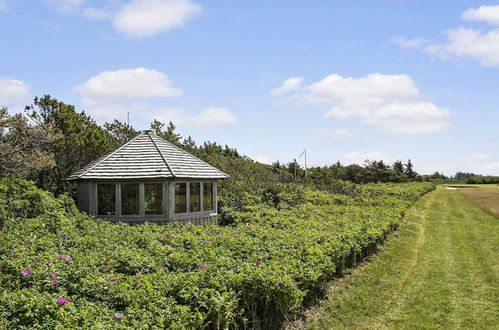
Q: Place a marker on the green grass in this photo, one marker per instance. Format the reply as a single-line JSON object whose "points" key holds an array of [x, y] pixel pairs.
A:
{"points": [[440, 270], [464, 185]]}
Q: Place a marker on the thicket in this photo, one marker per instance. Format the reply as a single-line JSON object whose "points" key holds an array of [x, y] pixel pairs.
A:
{"points": [[61, 268], [483, 179]]}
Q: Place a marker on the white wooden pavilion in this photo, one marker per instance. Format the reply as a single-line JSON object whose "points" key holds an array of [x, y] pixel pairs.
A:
{"points": [[149, 179]]}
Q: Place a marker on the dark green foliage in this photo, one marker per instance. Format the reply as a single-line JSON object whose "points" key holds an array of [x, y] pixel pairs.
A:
{"points": [[122, 132], [81, 142], [483, 179], [23, 144], [169, 135], [285, 244]]}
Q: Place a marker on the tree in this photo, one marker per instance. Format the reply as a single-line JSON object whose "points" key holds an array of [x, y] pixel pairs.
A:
{"points": [[189, 143], [81, 142], [409, 170], [24, 144], [169, 134], [122, 132], [398, 166]]}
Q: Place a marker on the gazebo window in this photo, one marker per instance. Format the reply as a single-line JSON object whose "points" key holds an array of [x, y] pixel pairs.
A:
{"points": [[180, 197], [106, 199], [208, 196], [153, 198], [130, 199], [195, 197]]}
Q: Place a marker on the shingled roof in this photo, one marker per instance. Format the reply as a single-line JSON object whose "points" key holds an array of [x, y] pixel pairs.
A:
{"points": [[148, 156]]}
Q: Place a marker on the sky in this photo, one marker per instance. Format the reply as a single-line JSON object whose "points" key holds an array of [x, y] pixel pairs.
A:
{"points": [[347, 80]]}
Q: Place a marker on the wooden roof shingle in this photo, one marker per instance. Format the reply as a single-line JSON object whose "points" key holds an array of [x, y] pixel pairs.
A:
{"points": [[148, 156]]}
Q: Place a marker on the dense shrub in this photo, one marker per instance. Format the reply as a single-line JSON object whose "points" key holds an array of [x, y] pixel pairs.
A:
{"points": [[283, 245], [483, 179]]}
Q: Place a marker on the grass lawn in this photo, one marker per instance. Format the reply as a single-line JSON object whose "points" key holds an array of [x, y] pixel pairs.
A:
{"points": [[439, 270], [464, 185]]}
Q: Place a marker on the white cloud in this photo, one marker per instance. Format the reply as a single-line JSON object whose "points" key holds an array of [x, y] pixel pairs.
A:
{"points": [[144, 18], [476, 157], [212, 116], [335, 135], [491, 168], [66, 6], [488, 14], [14, 92], [474, 44], [97, 13], [290, 85], [263, 159], [391, 103], [3, 6], [478, 163], [111, 94], [482, 46], [134, 18], [409, 43], [359, 157], [128, 84]]}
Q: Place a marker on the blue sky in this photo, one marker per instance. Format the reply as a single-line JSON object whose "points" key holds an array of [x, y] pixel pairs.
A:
{"points": [[348, 80]]}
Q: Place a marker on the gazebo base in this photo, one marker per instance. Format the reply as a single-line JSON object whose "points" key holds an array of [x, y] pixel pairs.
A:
{"points": [[197, 220]]}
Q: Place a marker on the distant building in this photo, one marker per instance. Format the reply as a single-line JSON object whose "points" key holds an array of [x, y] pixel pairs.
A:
{"points": [[149, 179]]}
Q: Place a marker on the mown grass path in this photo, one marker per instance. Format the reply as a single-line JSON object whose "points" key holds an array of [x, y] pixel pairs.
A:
{"points": [[440, 270]]}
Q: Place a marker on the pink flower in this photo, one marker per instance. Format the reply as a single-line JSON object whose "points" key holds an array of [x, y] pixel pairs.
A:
{"points": [[55, 282], [206, 241], [32, 286], [68, 258], [257, 263], [51, 264], [137, 273], [36, 257], [26, 272], [104, 265], [301, 262], [62, 301], [52, 274], [118, 316], [113, 278], [161, 267], [235, 233], [290, 249], [60, 256], [202, 267]]}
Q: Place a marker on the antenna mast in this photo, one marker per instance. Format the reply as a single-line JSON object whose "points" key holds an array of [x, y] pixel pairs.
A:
{"points": [[128, 118], [304, 152]]}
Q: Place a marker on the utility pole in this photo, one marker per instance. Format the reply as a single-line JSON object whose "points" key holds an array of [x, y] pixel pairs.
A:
{"points": [[128, 118], [304, 152]]}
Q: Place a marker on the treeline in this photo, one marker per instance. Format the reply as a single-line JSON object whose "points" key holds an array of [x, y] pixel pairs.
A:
{"points": [[483, 179], [371, 171], [51, 140]]}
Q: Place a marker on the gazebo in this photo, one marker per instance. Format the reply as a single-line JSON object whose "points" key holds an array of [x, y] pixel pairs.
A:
{"points": [[149, 179]]}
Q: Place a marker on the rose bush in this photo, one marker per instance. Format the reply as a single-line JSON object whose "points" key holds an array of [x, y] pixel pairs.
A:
{"points": [[88, 272]]}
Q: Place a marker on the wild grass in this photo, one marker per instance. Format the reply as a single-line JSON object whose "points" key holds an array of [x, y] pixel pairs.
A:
{"points": [[486, 198], [439, 270]]}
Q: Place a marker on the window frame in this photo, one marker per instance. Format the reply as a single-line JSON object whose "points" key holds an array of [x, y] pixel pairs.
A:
{"points": [[202, 209], [118, 202], [212, 206], [116, 206], [140, 199], [163, 200], [187, 195]]}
